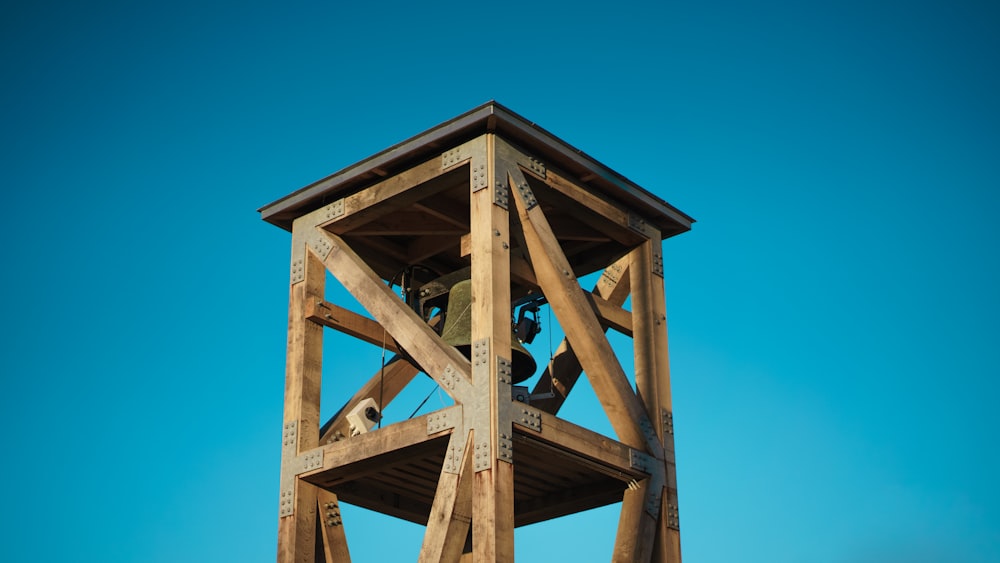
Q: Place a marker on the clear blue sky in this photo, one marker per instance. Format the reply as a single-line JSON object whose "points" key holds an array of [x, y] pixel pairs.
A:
{"points": [[833, 314]]}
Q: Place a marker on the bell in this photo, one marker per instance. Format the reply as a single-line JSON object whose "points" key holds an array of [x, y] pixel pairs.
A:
{"points": [[457, 331]]}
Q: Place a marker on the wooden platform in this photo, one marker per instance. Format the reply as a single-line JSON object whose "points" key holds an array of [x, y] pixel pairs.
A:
{"points": [[395, 470]]}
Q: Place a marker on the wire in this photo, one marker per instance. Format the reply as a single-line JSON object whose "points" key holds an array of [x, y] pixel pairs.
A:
{"points": [[422, 403]]}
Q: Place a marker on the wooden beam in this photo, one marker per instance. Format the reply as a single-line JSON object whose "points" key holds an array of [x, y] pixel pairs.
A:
{"points": [[451, 513], [446, 210], [564, 370], [446, 365], [653, 379], [303, 372], [332, 528], [394, 193], [610, 315], [422, 248], [493, 485], [579, 322], [350, 323], [610, 456], [636, 527], [378, 449], [601, 214]]}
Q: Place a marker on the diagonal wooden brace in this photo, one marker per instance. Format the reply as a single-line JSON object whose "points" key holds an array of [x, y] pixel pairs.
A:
{"points": [[442, 362], [555, 276]]}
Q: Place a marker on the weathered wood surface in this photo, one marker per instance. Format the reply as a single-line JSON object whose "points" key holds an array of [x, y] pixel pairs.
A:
{"points": [[296, 532]]}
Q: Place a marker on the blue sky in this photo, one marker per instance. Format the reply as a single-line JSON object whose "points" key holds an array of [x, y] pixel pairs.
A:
{"points": [[833, 314]]}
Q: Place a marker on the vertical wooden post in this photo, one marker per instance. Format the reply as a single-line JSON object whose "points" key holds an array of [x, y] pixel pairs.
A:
{"points": [[493, 482], [652, 372], [297, 523]]}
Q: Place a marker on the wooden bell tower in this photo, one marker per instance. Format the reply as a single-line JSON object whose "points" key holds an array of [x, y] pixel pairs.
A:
{"points": [[486, 196]]}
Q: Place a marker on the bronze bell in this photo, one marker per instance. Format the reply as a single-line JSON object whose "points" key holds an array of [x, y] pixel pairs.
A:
{"points": [[458, 332]]}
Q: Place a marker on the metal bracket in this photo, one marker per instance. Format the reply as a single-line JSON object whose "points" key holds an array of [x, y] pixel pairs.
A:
{"points": [[529, 197], [640, 461], [453, 156], [503, 371], [613, 274], [479, 180], [294, 465], [481, 455], [450, 377], [334, 210], [313, 459], [480, 404], [658, 264], [444, 419], [298, 270], [638, 224], [668, 421], [456, 451], [673, 517], [536, 166], [653, 498], [481, 352], [505, 444], [286, 506], [289, 443], [289, 435], [505, 434], [528, 417], [320, 245], [501, 195], [647, 430]]}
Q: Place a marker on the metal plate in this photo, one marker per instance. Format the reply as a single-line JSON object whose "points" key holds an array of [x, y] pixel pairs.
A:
{"points": [[528, 417]]}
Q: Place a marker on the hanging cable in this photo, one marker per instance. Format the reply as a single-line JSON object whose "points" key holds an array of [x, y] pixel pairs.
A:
{"points": [[422, 403]]}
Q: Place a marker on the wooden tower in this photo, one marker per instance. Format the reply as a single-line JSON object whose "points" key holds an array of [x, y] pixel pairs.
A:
{"points": [[491, 197]]}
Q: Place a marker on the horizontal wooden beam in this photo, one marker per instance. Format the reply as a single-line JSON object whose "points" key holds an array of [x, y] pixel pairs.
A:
{"points": [[350, 323], [377, 450], [392, 194], [607, 455]]}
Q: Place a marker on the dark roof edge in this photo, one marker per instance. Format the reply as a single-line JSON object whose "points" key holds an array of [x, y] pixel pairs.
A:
{"points": [[486, 117]]}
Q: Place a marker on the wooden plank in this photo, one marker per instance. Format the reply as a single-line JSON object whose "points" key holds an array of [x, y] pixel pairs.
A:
{"points": [[303, 372], [410, 331], [383, 387], [350, 323], [451, 513], [332, 528], [493, 487], [564, 370], [580, 324]]}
